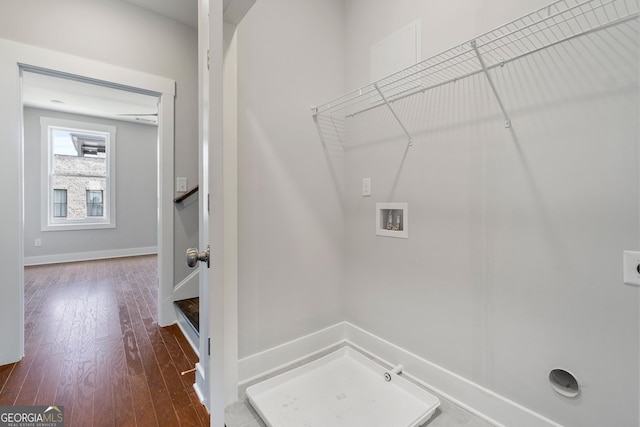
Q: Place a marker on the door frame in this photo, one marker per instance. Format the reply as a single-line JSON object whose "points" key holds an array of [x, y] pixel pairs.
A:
{"points": [[220, 314], [218, 78], [215, 363], [16, 56], [217, 51]]}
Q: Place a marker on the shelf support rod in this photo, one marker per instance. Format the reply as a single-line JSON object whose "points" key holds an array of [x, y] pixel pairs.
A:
{"points": [[318, 128], [507, 121], [375, 85]]}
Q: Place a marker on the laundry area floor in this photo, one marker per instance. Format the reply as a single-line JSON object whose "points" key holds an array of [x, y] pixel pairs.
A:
{"points": [[448, 414]]}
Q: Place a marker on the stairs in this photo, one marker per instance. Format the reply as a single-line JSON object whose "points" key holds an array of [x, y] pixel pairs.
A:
{"points": [[188, 311]]}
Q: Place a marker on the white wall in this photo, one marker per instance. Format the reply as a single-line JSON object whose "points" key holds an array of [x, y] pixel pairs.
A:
{"points": [[513, 262], [291, 234], [136, 192], [119, 33]]}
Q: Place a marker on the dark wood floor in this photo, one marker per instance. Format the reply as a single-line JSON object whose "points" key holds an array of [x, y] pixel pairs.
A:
{"points": [[93, 345]]}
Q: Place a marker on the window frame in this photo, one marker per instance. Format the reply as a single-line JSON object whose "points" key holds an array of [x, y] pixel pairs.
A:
{"points": [[91, 206], [54, 202], [48, 221]]}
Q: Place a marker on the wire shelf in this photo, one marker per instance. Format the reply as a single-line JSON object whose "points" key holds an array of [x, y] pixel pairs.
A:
{"points": [[560, 21]]}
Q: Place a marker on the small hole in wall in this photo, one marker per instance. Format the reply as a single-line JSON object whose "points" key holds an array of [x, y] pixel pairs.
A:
{"points": [[564, 382]]}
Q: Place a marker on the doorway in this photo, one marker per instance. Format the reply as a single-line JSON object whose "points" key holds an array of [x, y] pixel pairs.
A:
{"points": [[17, 57], [90, 172]]}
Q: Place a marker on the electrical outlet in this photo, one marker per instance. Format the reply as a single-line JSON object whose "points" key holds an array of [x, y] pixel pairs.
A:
{"points": [[366, 187], [181, 185], [631, 267], [38, 242]]}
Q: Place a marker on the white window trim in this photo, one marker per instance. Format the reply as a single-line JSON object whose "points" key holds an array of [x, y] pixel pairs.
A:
{"points": [[46, 123]]}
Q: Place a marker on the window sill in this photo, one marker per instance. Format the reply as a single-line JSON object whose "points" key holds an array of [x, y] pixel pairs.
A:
{"points": [[77, 226]]}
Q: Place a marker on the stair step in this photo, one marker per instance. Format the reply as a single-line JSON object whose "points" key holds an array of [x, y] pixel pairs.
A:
{"points": [[190, 309]]}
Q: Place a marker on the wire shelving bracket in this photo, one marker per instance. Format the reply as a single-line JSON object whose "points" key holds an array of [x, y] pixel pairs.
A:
{"points": [[384, 99], [474, 45], [551, 25]]}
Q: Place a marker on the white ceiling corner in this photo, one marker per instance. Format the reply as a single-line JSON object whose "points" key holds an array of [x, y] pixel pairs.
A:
{"points": [[235, 10], [185, 11]]}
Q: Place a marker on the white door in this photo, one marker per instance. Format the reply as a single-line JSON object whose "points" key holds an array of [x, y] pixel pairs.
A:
{"points": [[204, 254], [210, 373], [218, 202]]}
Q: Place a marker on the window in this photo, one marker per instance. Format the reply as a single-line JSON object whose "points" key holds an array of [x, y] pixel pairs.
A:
{"points": [[59, 203], [94, 203], [78, 184]]}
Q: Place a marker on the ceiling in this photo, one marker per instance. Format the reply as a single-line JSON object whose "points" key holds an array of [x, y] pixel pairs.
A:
{"points": [[185, 11], [73, 96]]}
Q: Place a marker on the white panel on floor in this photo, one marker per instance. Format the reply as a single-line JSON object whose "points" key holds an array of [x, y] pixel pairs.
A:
{"points": [[342, 389]]}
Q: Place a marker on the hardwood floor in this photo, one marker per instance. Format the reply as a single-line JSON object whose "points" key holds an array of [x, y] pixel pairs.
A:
{"points": [[93, 345]]}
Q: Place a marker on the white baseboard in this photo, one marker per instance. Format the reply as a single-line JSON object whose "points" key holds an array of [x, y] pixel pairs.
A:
{"points": [[475, 398], [189, 333], [189, 287], [89, 256], [197, 386], [268, 361]]}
